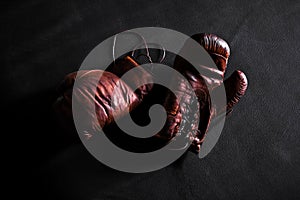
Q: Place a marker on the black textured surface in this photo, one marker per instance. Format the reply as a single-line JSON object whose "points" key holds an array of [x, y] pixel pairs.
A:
{"points": [[257, 156]]}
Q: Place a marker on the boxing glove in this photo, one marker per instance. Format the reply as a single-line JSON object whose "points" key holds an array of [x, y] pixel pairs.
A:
{"points": [[94, 90], [235, 87]]}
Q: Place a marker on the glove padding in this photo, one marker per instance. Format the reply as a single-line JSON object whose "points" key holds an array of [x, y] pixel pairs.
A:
{"points": [[92, 92], [235, 85]]}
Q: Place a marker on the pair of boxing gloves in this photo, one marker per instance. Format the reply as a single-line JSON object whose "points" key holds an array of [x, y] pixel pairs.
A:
{"points": [[97, 98]]}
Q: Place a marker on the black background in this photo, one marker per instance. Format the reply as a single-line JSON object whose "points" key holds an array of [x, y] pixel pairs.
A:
{"points": [[257, 156]]}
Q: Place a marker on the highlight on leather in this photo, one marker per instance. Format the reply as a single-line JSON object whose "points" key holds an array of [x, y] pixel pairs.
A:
{"points": [[235, 86], [217, 48]]}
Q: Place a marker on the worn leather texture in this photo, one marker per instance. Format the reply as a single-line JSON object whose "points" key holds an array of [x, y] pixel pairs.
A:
{"points": [[257, 155]]}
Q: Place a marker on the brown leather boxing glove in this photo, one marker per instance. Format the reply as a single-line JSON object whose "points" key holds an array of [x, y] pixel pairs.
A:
{"points": [[95, 92], [235, 87]]}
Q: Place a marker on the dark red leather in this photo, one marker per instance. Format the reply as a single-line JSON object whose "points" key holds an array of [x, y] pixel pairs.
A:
{"points": [[218, 49], [235, 87]]}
